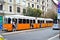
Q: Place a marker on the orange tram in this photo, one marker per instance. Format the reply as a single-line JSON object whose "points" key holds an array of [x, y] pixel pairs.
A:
{"points": [[25, 22]]}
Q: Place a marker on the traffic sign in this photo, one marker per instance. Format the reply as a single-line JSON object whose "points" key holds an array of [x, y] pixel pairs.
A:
{"points": [[58, 10], [58, 4]]}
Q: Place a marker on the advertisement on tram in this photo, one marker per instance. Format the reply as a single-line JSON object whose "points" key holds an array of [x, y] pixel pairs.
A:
{"points": [[1, 22]]}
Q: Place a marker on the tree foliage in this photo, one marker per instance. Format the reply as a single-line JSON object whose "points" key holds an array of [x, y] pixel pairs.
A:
{"points": [[51, 14], [33, 12]]}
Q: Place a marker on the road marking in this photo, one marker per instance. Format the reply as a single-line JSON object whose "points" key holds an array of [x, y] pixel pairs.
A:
{"points": [[53, 37]]}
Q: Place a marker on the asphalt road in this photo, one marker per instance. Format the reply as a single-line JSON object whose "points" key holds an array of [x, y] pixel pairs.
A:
{"points": [[34, 35]]}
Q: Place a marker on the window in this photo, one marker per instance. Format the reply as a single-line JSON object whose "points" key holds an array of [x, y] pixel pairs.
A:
{"points": [[47, 5], [28, 4], [42, 2], [48, 21], [41, 21], [17, 1], [24, 10], [24, 0], [47, 0], [38, 21], [42, 7], [20, 20], [10, 8], [27, 20], [10, 0], [1, 7], [37, 0], [14, 20], [32, 5], [9, 20], [18, 9], [33, 21], [32, 0], [24, 20], [37, 6], [5, 20], [30, 21]]}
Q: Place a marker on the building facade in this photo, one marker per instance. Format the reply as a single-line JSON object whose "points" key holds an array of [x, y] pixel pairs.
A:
{"points": [[11, 7]]}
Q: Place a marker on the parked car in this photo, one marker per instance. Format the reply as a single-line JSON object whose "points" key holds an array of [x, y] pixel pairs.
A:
{"points": [[56, 27]]}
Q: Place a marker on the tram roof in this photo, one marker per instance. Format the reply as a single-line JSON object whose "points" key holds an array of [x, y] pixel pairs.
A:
{"points": [[48, 19], [40, 19], [19, 16], [26, 17]]}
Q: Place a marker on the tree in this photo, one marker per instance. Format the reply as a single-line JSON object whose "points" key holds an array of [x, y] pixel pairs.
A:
{"points": [[33, 12], [51, 14]]}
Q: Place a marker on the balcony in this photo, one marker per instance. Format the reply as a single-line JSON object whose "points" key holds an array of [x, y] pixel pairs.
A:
{"points": [[2, 1]]}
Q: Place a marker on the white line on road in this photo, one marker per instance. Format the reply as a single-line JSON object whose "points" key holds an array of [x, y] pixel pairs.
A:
{"points": [[53, 37]]}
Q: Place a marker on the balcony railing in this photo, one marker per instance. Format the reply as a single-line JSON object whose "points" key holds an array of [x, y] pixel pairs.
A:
{"points": [[2, 1]]}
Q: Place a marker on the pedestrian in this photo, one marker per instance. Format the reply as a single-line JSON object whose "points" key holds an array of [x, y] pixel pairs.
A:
{"points": [[14, 26]]}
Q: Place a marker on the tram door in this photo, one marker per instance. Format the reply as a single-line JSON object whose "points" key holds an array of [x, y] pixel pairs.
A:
{"points": [[1, 22]]}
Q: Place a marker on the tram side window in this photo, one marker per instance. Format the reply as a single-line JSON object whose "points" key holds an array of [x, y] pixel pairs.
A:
{"points": [[38, 21], [14, 20], [20, 21], [49, 21], [5, 20], [42, 21], [27, 20], [30, 21], [24, 20], [33, 21], [9, 20]]}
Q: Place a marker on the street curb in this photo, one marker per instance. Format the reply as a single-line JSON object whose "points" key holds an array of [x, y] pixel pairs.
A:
{"points": [[19, 32], [15, 32]]}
